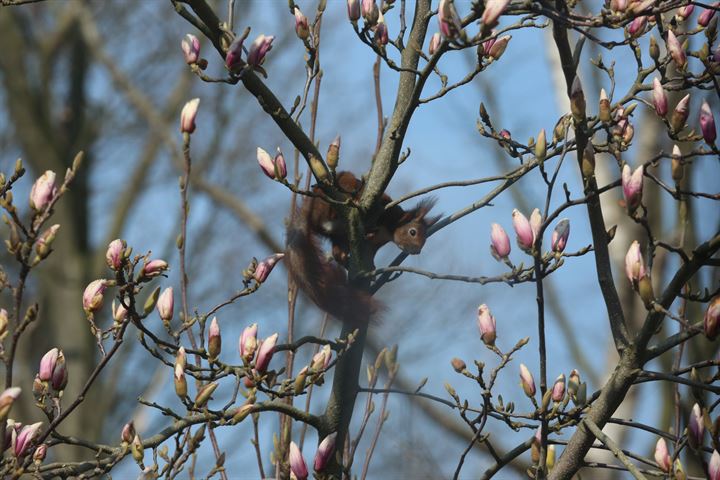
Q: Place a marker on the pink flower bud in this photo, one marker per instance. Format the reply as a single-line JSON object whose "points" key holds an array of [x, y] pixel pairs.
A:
{"points": [[499, 242], [659, 98], [523, 231], [634, 263], [179, 373], [707, 124], [297, 463], [662, 456], [274, 168], [43, 191], [527, 381], [675, 50], [637, 26], [558, 389], [25, 438], [449, 20], [153, 268], [262, 271], [714, 466], [707, 15], [618, 5], [248, 343], [93, 295], [324, 452], [486, 325], [535, 223], [258, 49], [187, 116], [44, 241], [560, 235], [47, 364], [233, 57], [40, 454], [265, 353], [115, 253], [696, 427], [632, 185], [321, 360], [7, 398], [118, 312], [214, 339], [353, 9], [370, 12], [711, 321], [381, 31], [680, 114], [280, 166], [301, 24], [165, 305], [493, 10], [191, 48], [128, 433], [498, 47], [685, 12], [59, 378], [435, 42]]}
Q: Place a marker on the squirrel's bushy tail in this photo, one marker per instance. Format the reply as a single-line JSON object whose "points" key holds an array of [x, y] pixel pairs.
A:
{"points": [[323, 281]]}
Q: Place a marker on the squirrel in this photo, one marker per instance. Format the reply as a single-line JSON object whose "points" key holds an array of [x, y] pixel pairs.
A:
{"points": [[325, 282]]}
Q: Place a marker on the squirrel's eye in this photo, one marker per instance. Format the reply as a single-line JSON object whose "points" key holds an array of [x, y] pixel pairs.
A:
{"points": [[412, 232]]}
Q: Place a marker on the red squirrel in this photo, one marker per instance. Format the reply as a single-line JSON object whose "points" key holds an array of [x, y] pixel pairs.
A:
{"points": [[324, 281]]}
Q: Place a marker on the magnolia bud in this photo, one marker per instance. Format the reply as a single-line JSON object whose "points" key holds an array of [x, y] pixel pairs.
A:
{"points": [[493, 10], [165, 305], [448, 20], [204, 394], [43, 191], [659, 98], [711, 321], [558, 389], [258, 49], [188, 115], [654, 49], [25, 438], [498, 47], [714, 466], [577, 100], [662, 456], [153, 268], [381, 32], [248, 343], [541, 146], [333, 153], [115, 254], [523, 231], [588, 161], [321, 360], [242, 412], [458, 365], [3, 324], [233, 57], [696, 427], [675, 50], [324, 452], [486, 325], [297, 463], [526, 381], [632, 184], [707, 15], [40, 454], [604, 109], [262, 271], [136, 448], [707, 124], [676, 165], [499, 242], [128, 433], [118, 312], [7, 398], [370, 12], [560, 236], [435, 42], [93, 295], [353, 9], [680, 114], [301, 24], [637, 26], [634, 264], [214, 340], [44, 241], [191, 48], [265, 353], [179, 373], [573, 385]]}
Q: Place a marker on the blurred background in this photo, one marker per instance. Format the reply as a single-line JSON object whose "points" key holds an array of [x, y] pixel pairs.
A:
{"points": [[109, 78]]}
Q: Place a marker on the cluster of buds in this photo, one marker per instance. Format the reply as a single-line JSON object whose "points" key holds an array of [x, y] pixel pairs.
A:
{"points": [[637, 274], [535, 450], [275, 168], [263, 269], [43, 191], [92, 299], [188, 115], [53, 372], [526, 232], [256, 54], [298, 467], [632, 186], [711, 321], [486, 325]]}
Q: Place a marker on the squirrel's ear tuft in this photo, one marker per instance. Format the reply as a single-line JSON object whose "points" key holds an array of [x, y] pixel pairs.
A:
{"points": [[423, 208]]}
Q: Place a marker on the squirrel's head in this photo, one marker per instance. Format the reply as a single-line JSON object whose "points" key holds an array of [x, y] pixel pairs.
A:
{"points": [[411, 233]]}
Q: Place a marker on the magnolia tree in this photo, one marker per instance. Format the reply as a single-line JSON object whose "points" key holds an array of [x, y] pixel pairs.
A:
{"points": [[563, 422]]}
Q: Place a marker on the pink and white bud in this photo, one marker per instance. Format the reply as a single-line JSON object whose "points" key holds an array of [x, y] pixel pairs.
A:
{"points": [[707, 15], [179, 373], [118, 312], [259, 49], [214, 339], [115, 254], [714, 466], [262, 271], [47, 365], [499, 242], [302, 29], [43, 244], [696, 427], [498, 47], [191, 48], [370, 12], [25, 438], [637, 26], [659, 98], [324, 452], [233, 57], [486, 325], [632, 186], [165, 305], [523, 231], [248, 343], [93, 295], [188, 115], [321, 360], [449, 20], [662, 455], [266, 162], [680, 114], [684, 12], [618, 5], [493, 10], [265, 353], [558, 389], [59, 378], [7, 398], [707, 124], [711, 322], [381, 32], [634, 263], [40, 454], [435, 42], [154, 268], [675, 50], [535, 223], [127, 433], [560, 235], [297, 463], [527, 381], [353, 9], [43, 191]]}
